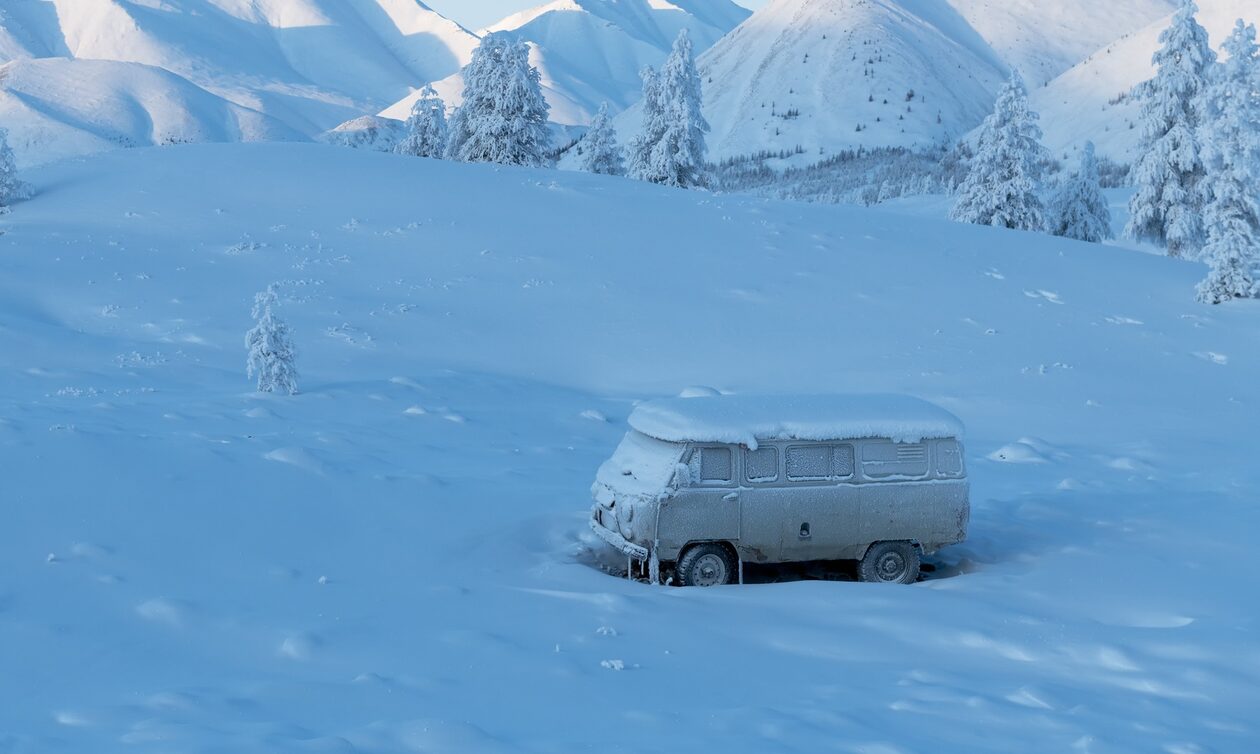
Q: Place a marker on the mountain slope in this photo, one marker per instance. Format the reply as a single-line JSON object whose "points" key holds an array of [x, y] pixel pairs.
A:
{"points": [[1092, 101], [591, 51], [29, 29], [1044, 39], [60, 107], [831, 74], [397, 559], [310, 63]]}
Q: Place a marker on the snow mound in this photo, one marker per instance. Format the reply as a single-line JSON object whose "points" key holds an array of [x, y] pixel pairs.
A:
{"points": [[59, 107], [1020, 451], [367, 132], [745, 419]]}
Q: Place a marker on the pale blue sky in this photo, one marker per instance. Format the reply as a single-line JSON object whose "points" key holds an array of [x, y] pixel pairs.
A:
{"points": [[475, 14]]}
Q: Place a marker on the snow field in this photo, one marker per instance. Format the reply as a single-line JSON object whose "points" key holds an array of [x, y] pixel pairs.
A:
{"points": [[394, 560]]}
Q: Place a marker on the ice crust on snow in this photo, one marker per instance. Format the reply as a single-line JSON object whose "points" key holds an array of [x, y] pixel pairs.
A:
{"points": [[746, 419]]}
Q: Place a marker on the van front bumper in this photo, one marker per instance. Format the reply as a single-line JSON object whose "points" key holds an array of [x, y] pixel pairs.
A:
{"points": [[615, 539]]}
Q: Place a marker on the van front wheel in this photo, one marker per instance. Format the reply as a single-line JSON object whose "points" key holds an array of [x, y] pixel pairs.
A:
{"points": [[706, 565], [890, 563]]}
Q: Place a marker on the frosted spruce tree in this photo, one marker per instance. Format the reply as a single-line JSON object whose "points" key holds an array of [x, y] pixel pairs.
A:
{"points": [[652, 128], [1002, 187], [1079, 209], [1166, 208], [271, 352], [11, 189], [600, 153], [671, 149], [504, 116], [1231, 184], [426, 128]]}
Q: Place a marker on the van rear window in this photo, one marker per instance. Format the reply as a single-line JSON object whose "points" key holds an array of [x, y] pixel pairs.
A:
{"points": [[887, 459]]}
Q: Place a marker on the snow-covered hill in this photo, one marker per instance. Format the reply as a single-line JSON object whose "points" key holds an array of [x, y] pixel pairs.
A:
{"points": [[1092, 101], [396, 559], [309, 63], [1044, 39], [830, 74], [591, 51], [62, 107]]}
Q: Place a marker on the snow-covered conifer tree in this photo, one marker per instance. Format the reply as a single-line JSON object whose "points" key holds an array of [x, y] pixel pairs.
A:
{"points": [[504, 116], [1166, 208], [11, 189], [271, 352], [1003, 179], [1231, 183], [678, 157], [1079, 209], [670, 148], [600, 153], [651, 130], [426, 128]]}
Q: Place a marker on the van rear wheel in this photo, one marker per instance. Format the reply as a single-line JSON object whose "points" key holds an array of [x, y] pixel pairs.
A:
{"points": [[890, 563], [706, 565]]}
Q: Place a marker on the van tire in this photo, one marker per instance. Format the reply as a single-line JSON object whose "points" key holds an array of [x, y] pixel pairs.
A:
{"points": [[707, 564], [890, 563]]}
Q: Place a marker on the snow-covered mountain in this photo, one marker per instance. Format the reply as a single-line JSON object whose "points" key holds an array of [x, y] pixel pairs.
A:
{"points": [[310, 64], [591, 51], [1044, 38], [63, 107], [1093, 101], [828, 74]]}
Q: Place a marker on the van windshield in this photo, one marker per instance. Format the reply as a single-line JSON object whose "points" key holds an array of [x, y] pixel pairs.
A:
{"points": [[641, 465]]}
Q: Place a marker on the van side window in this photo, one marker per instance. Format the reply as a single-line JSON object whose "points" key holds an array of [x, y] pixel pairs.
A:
{"points": [[881, 460], [809, 463], [842, 461], [711, 465], [948, 458], [761, 465]]}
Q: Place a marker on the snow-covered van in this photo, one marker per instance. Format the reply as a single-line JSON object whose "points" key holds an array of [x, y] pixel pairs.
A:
{"points": [[702, 485]]}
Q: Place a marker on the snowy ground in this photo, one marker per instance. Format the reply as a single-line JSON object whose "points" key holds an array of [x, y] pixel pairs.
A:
{"points": [[395, 560], [938, 206]]}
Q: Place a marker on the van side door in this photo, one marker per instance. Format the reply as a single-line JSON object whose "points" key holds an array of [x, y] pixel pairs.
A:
{"points": [[824, 513], [764, 503], [707, 509]]}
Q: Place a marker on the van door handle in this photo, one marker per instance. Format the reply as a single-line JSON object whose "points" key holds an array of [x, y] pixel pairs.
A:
{"points": [[731, 497], [805, 530]]}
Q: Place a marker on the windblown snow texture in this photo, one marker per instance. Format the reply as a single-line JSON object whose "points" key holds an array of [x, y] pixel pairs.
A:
{"points": [[189, 565]]}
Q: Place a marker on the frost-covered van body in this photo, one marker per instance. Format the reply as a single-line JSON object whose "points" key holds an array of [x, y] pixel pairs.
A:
{"points": [[708, 483]]}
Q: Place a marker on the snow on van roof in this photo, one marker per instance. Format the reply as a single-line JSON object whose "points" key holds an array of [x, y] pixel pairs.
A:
{"points": [[745, 419]]}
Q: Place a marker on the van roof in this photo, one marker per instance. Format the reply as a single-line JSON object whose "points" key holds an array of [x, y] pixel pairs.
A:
{"points": [[745, 419]]}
